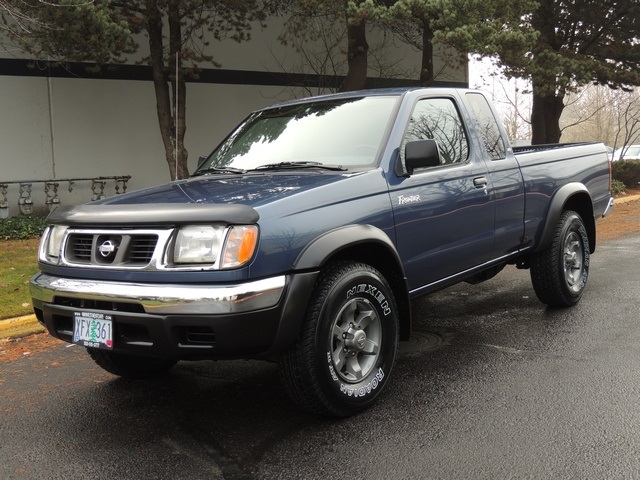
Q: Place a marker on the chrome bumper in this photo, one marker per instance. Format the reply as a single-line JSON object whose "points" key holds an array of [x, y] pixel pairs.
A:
{"points": [[166, 299], [607, 210]]}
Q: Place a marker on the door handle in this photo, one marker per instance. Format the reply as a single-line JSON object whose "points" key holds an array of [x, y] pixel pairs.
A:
{"points": [[480, 182]]}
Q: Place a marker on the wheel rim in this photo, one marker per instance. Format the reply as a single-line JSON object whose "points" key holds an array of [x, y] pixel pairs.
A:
{"points": [[573, 261], [355, 340]]}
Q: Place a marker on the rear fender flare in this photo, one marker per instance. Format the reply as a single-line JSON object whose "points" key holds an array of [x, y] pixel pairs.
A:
{"points": [[576, 197]]}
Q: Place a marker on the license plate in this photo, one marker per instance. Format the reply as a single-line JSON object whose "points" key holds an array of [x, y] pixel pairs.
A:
{"points": [[93, 330]]}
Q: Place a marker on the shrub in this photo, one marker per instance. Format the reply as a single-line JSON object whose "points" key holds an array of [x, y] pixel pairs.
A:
{"points": [[21, 228], [627, 172], [617, 187]]}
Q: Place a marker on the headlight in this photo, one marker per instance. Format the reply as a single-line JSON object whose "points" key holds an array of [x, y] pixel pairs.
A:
{"points": [[198, 244], [224, 247], [52, 242]]}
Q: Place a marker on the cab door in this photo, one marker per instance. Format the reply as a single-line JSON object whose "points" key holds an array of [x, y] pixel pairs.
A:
{"points": [[507, 183], [444, 215]]}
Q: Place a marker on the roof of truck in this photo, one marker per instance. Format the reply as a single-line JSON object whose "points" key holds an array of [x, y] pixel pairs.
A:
{"points": [[394, 91]]}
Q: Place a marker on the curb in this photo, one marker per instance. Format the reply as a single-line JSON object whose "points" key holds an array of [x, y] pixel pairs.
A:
{"points": [[27, 325], [628, 199], [20, 327]]}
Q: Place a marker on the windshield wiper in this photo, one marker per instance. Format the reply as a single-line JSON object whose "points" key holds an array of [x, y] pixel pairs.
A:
{"points": [[206, 171], [297, 165]]}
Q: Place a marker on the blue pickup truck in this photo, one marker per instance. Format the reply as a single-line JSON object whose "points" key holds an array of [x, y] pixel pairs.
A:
{"points": [[304, 236]]}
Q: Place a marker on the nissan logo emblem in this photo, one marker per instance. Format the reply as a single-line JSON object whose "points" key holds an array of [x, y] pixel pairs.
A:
{"points": [[107, 248]]}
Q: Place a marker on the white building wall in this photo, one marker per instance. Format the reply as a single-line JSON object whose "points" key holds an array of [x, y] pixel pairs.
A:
{"points": [[60, 128], [25, 145]]}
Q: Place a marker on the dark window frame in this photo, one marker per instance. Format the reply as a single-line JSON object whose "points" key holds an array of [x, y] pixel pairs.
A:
{"points": [[462, 130]]}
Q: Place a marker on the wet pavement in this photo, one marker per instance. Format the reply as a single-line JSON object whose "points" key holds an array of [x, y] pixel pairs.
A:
{"points": [[492, 385]]}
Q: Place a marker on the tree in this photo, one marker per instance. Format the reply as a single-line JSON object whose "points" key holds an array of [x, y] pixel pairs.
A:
{"points": [[512, 100], [299, 29], [103, 31], [461, 25], [590, 114], [559, 46], [628, 119], [321, 33], [577, 42], [66, 29], [598, 113], [415, 21]]}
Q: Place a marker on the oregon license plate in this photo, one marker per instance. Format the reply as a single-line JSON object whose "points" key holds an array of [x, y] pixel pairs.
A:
{"points": [[93, 330]]}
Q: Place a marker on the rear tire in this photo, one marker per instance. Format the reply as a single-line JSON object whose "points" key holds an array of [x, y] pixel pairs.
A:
{"points": [[559, 274], [130, 366], [347, 344]]}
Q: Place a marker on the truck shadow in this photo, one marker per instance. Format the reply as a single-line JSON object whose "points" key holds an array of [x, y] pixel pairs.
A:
{"points": [[236, 415]]}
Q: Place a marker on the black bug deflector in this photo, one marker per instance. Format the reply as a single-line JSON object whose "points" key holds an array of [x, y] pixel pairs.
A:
{"points": [[153, 214]]}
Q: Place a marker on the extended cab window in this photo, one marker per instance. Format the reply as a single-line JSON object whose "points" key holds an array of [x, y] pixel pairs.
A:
{"points": [[488, 126], [438, 119]]}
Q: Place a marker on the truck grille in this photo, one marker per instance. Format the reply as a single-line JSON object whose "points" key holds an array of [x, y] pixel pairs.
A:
{"points": [[81, 247], [117, 249], [142, 248]]}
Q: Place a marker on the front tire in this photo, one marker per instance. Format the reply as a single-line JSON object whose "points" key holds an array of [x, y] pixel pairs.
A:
{"points": [[559, 274], [347, 344], [129, 366]]}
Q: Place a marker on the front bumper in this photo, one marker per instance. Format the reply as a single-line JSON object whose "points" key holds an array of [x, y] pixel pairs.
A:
{"points": [[171, 321], [165, 299]]}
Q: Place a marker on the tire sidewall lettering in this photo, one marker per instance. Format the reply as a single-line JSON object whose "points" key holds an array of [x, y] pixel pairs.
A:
{"points": [[374, 292], [371, 386], [371, 289]]}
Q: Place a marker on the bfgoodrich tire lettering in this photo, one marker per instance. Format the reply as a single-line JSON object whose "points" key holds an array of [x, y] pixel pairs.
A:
{"points": [[347, 344], [559, 274]]}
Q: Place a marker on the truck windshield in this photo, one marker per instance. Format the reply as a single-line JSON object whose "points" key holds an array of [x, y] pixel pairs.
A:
{"points": [[344, 133]]}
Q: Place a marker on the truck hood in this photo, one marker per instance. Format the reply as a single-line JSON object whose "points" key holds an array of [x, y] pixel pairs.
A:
{"points": [[253, 190], [232, 199]]}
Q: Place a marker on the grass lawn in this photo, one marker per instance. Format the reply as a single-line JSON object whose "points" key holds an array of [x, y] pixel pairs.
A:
{"points": [[18, 262]]}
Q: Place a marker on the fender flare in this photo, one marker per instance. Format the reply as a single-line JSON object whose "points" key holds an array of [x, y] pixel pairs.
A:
{"points": [[329, 245], [317, 253], [557, 206]]}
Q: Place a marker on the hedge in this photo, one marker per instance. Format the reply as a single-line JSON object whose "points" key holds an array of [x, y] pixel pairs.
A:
{"points": [[21, 228], [627, 172]]}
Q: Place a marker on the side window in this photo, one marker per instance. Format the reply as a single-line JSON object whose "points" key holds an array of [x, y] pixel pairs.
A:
{"points": [[632, 152], [438, 119], [488, 126]]}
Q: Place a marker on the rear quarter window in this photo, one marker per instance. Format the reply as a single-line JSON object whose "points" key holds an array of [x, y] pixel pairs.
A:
{"points": [[488, 126]]}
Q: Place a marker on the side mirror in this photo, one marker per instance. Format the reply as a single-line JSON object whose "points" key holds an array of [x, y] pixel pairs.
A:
{"points": [[201, 161], [421, 154]]}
